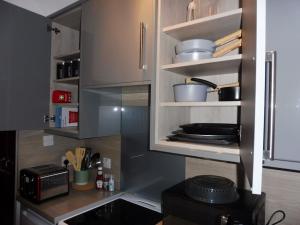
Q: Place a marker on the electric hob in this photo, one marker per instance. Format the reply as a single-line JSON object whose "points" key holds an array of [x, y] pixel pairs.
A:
{"points": [[118, 212]]}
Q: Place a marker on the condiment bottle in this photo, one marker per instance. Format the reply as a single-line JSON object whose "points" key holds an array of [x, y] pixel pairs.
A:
{"points": [[99, 179], [111, 183]]}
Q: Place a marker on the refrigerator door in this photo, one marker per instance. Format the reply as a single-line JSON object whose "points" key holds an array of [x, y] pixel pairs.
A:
{"points": [[283, 34]]}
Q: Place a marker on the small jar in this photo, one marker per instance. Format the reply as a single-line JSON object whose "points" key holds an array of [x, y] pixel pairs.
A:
{"points": [[60, 70], [75, 68]]}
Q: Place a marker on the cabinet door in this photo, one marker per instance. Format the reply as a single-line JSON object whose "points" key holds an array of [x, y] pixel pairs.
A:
{"points": [[24, 68], [112, 42], [253, 89]]}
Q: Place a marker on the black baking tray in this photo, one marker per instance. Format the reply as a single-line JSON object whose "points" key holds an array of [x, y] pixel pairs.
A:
{"points": [[211, 128], [202, 141], [181, 133]]}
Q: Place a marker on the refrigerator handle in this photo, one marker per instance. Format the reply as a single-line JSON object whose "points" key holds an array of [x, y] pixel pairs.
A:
{"points": [[270, 104]]}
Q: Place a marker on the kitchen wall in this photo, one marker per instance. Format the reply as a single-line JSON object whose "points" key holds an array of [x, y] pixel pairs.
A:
{"points": [[31, 151], [282, 188], [109, 147]]}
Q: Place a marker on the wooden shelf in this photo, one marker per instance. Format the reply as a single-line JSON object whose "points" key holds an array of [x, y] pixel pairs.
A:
{"points": [[211, 27], [71, 80], [219, 152], [70, 56], [213, 66], [71, 132], [201, 104]]}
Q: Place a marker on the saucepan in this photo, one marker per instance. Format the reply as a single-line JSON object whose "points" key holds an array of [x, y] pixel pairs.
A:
{"points": [[197, 92]]}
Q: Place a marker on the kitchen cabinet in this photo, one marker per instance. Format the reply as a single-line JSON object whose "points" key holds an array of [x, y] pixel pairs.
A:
{"points": [[117, 42], [24, 68], [282, 147], [247, 67]]}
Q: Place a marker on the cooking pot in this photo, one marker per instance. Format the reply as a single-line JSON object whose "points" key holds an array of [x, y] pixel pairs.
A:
{"points": [[190, 92], [229, 92]]}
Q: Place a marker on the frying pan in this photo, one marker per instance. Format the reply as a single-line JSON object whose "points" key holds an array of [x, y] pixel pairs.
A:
{"points": [[229, 92]]}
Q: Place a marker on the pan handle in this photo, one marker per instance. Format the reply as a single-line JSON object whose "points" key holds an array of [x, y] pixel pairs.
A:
{"points": [[270, 101], [210, 84]]}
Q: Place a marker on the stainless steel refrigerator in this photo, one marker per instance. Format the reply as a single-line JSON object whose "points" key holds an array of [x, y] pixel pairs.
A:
{"points": [[282, 123]]}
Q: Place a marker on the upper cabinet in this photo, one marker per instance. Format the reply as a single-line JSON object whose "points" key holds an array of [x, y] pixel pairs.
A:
{"points": [[243, 67], [24, 68], [117, 42]]}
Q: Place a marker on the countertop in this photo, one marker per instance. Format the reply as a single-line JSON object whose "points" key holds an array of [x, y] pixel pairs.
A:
{"points": [[76, 202]]}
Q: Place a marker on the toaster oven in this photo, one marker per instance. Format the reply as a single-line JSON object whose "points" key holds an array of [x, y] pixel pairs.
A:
{"points": [[40, 183]]}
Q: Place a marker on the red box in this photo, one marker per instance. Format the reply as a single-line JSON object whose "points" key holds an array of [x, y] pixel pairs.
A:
{"points": [[61, 96]]}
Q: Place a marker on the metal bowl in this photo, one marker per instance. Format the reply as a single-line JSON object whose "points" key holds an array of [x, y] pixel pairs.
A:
{"points": [[195, 45], [193, 56]]}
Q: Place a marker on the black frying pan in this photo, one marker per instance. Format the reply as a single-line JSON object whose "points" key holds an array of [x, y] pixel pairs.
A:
{"points": [[225, 93]]}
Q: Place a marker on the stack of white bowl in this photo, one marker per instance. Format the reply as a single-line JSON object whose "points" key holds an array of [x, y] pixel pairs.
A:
{"points": [[193, 50]]}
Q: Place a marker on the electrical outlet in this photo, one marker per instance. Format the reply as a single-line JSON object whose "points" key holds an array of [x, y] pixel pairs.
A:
{"points": [[48, 140], [107, 163]]}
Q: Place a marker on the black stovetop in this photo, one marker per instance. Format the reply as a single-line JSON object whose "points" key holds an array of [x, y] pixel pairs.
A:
{"points": [[118, 212]]}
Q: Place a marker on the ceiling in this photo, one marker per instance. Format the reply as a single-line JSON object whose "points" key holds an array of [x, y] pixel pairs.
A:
{"points": [[42, 7]]}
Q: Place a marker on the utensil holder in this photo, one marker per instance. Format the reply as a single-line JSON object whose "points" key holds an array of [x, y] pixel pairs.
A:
{"points": [[81, 177]]}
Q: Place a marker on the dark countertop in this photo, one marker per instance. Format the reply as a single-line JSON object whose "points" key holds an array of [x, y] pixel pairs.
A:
{"points": [[76, 202]]}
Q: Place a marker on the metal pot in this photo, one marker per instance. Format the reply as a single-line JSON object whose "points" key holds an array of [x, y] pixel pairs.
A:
{"points": [[226, 93], [229, 94], [190, 92]]}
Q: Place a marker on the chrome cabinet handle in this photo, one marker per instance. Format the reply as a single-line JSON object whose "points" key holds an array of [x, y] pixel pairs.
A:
{"points": [[270, 101], [143, 31]]}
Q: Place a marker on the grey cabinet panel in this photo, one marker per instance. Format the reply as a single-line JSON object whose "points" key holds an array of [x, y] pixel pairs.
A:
{"points": [[110, 41], [100, 112], [283, 33], [253, 89], [25, 68]]}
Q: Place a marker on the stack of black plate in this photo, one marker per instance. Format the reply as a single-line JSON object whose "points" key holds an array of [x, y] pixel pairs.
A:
{"points": [[207, 133]]}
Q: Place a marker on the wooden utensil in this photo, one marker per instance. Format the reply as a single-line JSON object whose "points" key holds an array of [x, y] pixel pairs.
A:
{"points": [[230, 47], [71, 157], [79, 153], [228, 38]]}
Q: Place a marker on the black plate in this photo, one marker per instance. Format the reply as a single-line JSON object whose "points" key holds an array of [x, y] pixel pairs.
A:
{"points": [[201, 141], [181, 133], [211, 128]]}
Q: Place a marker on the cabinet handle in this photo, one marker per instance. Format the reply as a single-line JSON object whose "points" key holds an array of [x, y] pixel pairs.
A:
{"points": [[270, 104], [143, 31]]}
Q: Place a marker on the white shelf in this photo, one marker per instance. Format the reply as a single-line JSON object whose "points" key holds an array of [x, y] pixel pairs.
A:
{"points": [[201, 104], [71, 132], [67, 104], [70, 80], [220, 152], [211, 27], [213, 66], [70, 56]]}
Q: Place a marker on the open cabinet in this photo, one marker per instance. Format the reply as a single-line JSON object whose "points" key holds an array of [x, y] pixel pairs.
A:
{"points": [[65, 71], [245, 66]]}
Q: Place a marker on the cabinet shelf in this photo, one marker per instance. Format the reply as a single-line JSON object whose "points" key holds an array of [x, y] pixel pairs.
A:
{"points": [[213, 66], [71, 132], [76, 104], [70, 56], [70, 80], [201, 104], [211, 27], [227, 153]]}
